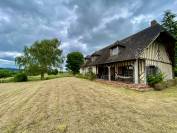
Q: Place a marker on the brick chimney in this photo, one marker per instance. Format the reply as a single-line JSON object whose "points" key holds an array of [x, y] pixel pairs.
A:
{"points": [[153, 22]]}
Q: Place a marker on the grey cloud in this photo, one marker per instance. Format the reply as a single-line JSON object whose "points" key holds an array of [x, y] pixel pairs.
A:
{"points": [[25, 24], [82, 25]]}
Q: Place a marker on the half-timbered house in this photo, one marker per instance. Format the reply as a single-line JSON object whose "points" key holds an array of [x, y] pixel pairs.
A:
{"points": [[132, 59]]}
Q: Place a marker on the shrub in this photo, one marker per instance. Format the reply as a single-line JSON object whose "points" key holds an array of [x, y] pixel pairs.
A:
{"points": [[61, 72], [89, 75], [155, 78], [52, 72], [160, 86], [80, 76], [20, 77], [175, 71], [165, 84]]}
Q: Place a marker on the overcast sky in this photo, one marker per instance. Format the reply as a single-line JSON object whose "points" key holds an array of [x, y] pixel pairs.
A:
{"points": [[81, 25]]}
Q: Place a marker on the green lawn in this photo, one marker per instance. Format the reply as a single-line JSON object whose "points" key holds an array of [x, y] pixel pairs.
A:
{"points": [[72, 105]]}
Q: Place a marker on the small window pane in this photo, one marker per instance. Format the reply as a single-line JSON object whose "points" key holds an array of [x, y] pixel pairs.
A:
{"points": [[115, 51]]}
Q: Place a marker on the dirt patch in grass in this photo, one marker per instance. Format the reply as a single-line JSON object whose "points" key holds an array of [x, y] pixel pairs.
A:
{"points": [[72, 105]]}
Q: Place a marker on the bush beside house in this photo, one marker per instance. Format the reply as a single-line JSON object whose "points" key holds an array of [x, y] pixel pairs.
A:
{"points": [[158, 83], [165, 84], [155, 78]]}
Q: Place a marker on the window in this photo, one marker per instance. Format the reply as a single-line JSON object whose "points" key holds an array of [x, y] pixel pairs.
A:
{"points": [[151, 70], [94, 58], [86, 60], [126, 71], [114, 51]]}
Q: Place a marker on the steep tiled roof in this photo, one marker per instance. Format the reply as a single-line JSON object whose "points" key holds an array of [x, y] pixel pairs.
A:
{"points": [[130, 47]]}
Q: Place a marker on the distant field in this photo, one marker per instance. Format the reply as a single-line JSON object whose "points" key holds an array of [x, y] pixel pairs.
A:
{"points": [[36, 78], [74, 105]]}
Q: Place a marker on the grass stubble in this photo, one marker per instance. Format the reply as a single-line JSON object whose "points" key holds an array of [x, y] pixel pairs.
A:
{"points": [[71, 105]]}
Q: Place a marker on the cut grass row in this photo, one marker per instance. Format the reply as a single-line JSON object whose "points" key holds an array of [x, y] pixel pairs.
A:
{"points": [[73, 105]]}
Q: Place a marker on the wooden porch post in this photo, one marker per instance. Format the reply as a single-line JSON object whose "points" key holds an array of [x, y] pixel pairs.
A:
{"points": [[136, 78], [109, 73], [145, 73], [97, 71]]}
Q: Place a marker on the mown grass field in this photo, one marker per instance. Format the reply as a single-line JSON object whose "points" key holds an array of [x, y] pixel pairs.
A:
{"points": [[74, 105]]}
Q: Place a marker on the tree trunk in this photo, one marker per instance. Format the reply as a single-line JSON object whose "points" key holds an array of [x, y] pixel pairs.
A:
{"points": [[42, 76]]}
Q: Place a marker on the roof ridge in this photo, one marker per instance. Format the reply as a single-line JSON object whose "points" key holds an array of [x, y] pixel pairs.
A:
{"points": [[142, 31], [128, 37], [102, 48]]}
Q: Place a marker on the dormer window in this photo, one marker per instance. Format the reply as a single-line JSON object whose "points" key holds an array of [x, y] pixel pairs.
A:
{"points": [[114, 51], [87, 58], [94, 58]]}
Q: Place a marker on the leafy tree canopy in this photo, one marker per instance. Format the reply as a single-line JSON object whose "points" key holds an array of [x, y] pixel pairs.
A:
{"points": [[74, 61], [40, 57], [169, 22]]}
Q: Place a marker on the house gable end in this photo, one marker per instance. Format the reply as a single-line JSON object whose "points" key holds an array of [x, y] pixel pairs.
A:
{"points": [[156, 51]]}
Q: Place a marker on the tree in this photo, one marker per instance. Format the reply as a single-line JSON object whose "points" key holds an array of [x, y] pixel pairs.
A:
{"points": [[74, 61], [40, 57], [170, 24]]}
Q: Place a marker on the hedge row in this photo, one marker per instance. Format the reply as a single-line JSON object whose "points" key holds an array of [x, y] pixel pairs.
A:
{"points": [[6, 73]]}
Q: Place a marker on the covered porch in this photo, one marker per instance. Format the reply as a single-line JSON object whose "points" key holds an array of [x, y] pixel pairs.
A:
{"points": [[126, 71]]}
